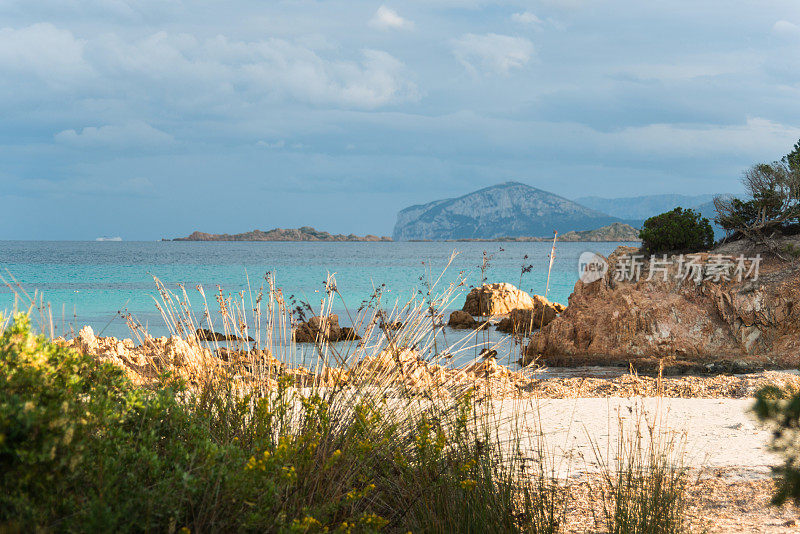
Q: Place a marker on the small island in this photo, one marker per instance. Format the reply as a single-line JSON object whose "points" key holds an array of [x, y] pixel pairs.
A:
{"points": [[304, 233], [614, 232]]}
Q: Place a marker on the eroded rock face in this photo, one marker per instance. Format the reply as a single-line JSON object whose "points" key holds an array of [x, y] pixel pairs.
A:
{"points": [[610, 320], [496, 299]]}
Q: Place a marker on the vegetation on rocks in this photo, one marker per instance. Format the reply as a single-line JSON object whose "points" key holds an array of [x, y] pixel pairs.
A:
{"points": [[679, 230], [772, 205]]}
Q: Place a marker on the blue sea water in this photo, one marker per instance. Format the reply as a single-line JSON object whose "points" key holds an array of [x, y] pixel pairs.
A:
{"points": [[89, 282]]}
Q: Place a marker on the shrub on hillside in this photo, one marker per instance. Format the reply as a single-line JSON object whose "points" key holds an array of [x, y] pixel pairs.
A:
{"points": [[678, 230]]}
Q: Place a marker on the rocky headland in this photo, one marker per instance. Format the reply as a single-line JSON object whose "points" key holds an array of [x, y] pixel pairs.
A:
{"points": [[680, 323], [304, 233], [614, 232], [508, 209]]}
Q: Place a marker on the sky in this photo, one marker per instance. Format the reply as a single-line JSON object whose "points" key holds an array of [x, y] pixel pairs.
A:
{"points": [[154, 118]]}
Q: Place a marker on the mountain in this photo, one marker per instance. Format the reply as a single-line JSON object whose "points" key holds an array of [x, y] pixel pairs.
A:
{"points": [[510, 209], [643, 207], [304, 233]]}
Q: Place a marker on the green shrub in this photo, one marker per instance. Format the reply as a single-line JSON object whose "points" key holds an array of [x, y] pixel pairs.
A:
{"points": [[83, 449], [678, 230], [781, 410]]}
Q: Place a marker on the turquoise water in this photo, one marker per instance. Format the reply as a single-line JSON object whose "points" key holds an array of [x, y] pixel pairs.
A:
{"points": [[88, 282]]}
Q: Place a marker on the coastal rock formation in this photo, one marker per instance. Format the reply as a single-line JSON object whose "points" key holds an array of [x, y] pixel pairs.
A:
{"points": [[461, 320], [689, 319], [323, 328], [525, 320], [398, 367], [304, 233], [185, 358], [613, 232], [209, 335], [496, 299], [508, 209]]}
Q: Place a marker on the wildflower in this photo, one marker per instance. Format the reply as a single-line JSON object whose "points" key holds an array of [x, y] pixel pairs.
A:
{"points": [[468, 484]]}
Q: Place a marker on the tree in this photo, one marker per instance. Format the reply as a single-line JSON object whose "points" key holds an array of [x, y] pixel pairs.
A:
{"points": [[678, 230], [792, 159], [773, 204]]}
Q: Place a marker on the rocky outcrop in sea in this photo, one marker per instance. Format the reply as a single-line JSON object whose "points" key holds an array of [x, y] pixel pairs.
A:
{"points": [[692, 313]]}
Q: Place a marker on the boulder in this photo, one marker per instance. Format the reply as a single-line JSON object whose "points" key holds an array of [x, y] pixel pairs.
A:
{"points": [[324, 328], [461, 320], [524, 321], [209, 335], [673, 317], [496, 299]]}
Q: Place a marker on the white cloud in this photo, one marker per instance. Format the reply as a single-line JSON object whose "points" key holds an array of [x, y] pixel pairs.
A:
{"points": [[492, 53], [786, 28], [133, 134], [49, 53], [210, 71], [526, 17], [386, 18]]}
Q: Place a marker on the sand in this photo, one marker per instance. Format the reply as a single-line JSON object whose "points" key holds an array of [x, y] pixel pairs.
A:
{"points": [[719, 440]]}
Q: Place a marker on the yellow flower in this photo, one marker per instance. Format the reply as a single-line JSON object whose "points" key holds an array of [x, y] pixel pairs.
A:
{"points": [[468, 484]]}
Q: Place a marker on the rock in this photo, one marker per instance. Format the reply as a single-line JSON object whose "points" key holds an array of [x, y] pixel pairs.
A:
{"points": [[324, 328], [461, 320], [706, 321], [523, 321], [348, 334], [496, 299], [87, 339], [208, 335]]}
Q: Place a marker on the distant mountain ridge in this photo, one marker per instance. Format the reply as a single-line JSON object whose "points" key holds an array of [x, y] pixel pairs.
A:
{"points": [[509, 209], [638, 209], [642, 207], [304, 233]]}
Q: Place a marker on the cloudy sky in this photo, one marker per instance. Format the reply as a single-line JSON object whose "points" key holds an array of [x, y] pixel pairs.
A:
{"points": [[154, 118]]}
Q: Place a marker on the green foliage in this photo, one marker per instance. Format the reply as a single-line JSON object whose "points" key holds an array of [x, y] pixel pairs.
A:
{"points": [[645, 490], [82, 449], [678, 230], [773, 203], [792, 159], [781, 410]]}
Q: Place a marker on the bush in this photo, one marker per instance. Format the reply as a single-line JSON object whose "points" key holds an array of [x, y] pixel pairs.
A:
{"points": [[82, 449], [781, 410], [678, 230]]}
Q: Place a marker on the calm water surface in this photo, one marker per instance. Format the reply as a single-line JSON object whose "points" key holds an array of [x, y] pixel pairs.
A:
{"points": [[88, 282]]}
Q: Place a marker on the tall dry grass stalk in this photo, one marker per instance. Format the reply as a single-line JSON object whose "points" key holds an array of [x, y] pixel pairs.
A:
{"points": [[643, 482]]}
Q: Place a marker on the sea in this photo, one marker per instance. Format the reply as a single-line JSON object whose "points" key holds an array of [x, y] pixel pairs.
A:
{"points": [[96, 282]]}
